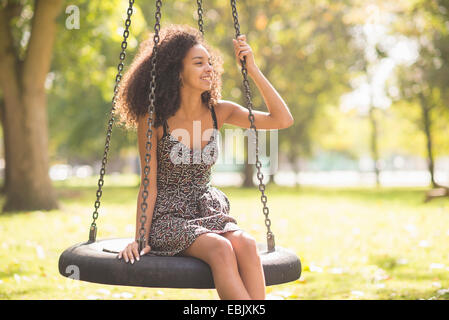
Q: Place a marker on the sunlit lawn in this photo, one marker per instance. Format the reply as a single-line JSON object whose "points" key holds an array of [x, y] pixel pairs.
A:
{"points": [[353, 243]]}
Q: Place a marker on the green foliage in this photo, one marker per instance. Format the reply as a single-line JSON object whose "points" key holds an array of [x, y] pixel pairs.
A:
{"points": [[81, 94], [424, 83], [305, 60], [309, 55]]}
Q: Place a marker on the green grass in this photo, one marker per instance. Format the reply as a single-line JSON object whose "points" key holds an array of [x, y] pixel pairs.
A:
{"points": [[354, 243]]}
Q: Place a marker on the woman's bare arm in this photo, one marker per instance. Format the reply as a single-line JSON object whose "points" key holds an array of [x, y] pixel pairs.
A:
{"points": [[131, 251], [142, 129], [151, 200], [278, 115]]}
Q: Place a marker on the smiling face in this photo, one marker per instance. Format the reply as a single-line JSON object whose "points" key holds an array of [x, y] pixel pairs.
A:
{"points": [[197, 69]]}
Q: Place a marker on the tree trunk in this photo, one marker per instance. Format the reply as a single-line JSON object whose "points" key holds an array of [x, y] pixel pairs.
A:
{"points": [[374, 148], [25, 118], [427, 124], [292, 158], [2, 121], [436, 193]]}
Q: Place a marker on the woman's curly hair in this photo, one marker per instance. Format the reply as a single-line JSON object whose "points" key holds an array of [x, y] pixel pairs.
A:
{"points": [[132, 99]]}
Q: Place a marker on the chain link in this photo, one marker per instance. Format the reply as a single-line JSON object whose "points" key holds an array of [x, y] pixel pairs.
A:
{"points": [[118, 78], [200, 16], [149, 145], [263, 198]]}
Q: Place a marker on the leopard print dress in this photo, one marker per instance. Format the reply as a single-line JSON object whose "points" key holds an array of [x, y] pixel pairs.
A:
{"points": [[186, 203]]}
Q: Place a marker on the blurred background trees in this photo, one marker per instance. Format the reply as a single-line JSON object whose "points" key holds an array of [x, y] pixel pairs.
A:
{"points": [[366, 81], [27, 34]]}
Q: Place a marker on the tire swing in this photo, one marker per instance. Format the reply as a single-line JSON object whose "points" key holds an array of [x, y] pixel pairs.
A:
{"points": [[96, 260]]}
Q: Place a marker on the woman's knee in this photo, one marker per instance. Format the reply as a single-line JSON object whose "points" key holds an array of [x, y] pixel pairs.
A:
{"points": [[243, 242], [212, 249], [221, 251]]}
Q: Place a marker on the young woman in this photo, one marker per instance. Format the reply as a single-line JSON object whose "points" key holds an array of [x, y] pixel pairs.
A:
{"points": [[186, 215]]}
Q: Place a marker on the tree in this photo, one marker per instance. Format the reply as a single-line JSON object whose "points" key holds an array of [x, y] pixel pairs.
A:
{"points": [[84, 68], [25, 64], [319, 54], [424, 83]]}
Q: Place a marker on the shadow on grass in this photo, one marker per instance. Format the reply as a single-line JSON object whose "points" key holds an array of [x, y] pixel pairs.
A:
{"points": [[18, 293], [10, 270], [128, 194], [384, 261], [86, 195], [411, 195]]}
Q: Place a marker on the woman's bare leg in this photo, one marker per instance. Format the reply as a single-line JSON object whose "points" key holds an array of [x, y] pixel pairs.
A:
{"points": [[217, 252], [249, 263]]}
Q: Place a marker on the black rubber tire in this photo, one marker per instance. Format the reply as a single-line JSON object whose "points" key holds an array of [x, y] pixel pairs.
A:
{"points": [[89, 262]]}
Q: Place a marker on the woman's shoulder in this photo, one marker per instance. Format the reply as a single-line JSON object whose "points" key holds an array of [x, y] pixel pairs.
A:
{"points": [[223, 109], [142, 126], [221, 105]]}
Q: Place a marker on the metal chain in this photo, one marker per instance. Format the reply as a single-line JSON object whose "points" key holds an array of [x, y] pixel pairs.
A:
{"points": [[118, 78], [148, 145], [200, 16], [263, 198], [200, 27]]}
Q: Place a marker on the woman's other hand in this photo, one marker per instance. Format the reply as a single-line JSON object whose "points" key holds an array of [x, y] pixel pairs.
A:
{"points": [[131, 252], [242, 49]]}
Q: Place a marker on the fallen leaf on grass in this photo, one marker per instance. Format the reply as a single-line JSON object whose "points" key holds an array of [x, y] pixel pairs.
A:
{"points": [[104, 292], [17, 278], [271, 296], [436, 266], [315, 268], [442, 292], [280, 295], [124, 295], [357, 293], [301, 280], [40, 252], [424, 244], [336, 271]]}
